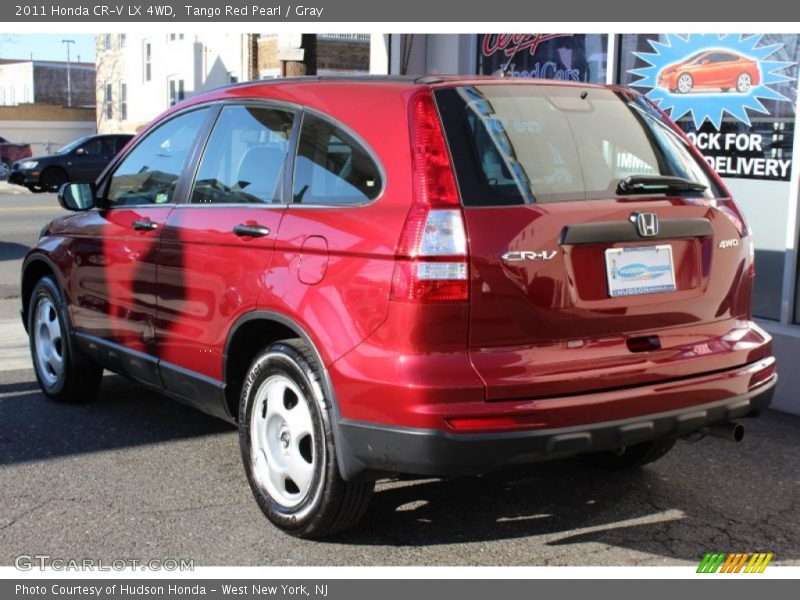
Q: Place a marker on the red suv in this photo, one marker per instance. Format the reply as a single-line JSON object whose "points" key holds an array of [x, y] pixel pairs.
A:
{"points": [[429, 276]]}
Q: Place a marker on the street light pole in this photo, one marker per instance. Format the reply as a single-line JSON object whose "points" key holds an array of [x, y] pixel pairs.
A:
{"points": [[69, 82]]}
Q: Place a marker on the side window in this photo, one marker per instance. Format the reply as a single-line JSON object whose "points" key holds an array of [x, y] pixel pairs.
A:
{"points": [[150, 172], [331, 168], [244, 157], [91, 148]]}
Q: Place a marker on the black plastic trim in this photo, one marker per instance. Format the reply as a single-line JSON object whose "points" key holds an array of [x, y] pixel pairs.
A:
{"points": [[381, 449], [204, 393], [609, 232]]}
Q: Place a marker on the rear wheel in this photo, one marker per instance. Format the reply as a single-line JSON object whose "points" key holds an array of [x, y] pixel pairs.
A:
{"points": [[287, 446], [63, 373], [53, 178], [685, 83], [635, 455]]}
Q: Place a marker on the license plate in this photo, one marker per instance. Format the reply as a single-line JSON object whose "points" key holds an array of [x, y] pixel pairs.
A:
{"points": [[639, 270]]}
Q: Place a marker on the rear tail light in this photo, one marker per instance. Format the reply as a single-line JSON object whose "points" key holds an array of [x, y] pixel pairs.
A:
{"points": [[432, 263]]}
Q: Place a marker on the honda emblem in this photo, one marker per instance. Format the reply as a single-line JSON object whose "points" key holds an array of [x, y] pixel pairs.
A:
{"points": [[646, 223]]}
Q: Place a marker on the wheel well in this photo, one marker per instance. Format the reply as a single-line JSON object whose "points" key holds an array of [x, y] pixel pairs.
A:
{"points": [[33, 273], [249, 339]]}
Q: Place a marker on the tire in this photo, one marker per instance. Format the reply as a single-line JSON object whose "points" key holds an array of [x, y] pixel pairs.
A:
{"points": [[632, 456], [53, 178], [5, 169], [285, 434], [36, 189], [64, 374], [744, 82], [684, 83], [725, 90]]}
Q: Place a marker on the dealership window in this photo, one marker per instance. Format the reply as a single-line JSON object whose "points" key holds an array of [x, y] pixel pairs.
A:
{"points": [[107, 101], [570, 57], [175, 90], [123, 38], [123, 101], [107, 41], [147, 52], [718, 103]]}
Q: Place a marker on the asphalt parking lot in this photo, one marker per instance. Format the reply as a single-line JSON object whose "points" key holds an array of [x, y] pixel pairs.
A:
{"points": [[134, 475]]}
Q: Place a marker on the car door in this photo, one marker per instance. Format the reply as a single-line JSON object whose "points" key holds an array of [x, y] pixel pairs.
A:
{"points": [[114, 258], [217, 247]]}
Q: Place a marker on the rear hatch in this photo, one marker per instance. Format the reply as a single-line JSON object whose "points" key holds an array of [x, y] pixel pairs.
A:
{"points": [[602, 252]]}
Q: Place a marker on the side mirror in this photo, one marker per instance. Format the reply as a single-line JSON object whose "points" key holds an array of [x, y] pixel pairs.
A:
{"points": [[76, 196]]}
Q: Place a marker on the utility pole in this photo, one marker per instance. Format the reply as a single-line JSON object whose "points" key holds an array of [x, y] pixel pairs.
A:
{"points": [[69, 82]]}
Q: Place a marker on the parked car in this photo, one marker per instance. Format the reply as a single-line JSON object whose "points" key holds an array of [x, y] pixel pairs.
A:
{"points": [[711, 69], [9, 153], [433, 276], [80, 161]]}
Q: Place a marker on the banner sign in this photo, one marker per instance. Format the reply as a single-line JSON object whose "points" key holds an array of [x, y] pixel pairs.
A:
{"points": [[733, 94], [564, 56]]}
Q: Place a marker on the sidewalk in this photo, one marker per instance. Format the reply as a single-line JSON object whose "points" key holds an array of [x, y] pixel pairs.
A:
{"points": [[7, 188]]}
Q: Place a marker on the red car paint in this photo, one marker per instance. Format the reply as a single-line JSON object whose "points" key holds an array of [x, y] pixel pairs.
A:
{"points": [[535, 345]]}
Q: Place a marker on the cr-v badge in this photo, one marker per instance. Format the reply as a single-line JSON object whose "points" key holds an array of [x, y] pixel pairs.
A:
{"points": [[528, 255]]}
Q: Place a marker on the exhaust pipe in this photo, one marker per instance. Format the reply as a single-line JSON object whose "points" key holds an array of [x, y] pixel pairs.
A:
{"points": [[729, 430]]}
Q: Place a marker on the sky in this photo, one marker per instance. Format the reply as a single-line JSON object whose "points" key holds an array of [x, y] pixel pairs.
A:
{"points": [[47, 47]]}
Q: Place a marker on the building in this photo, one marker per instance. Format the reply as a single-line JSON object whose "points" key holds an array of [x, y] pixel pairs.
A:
{"points": [[46, 82], [337, 54], [744, 123], [46, 127], [141, 75]]}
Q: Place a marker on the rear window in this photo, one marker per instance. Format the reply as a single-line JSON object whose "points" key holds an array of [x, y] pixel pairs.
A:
{"points": [[520, 144]]}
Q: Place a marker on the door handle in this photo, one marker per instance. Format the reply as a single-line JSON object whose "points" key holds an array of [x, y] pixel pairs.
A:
{"points": [[145, 225], [243, 230]]}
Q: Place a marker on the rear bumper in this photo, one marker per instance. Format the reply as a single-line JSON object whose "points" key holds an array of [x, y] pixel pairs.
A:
{"points": [[370, 449]]}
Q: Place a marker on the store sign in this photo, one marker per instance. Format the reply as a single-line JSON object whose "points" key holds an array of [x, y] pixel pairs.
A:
{"points": [[762, 152], [715, 87], [564, 56]]}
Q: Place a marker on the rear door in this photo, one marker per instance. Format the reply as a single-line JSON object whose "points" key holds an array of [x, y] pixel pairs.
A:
{"points": [[217, 248], [563, 273]]}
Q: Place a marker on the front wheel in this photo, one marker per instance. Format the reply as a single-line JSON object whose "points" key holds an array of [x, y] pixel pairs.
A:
{"points": [[63, 373], [635, 455], [685, 83], [287, 446], [53, 178]]}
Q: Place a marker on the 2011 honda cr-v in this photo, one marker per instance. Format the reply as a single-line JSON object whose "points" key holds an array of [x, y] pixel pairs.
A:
{"points": [[429, 276]]}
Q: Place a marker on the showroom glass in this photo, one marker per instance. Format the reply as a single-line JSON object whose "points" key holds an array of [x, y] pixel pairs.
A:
{"points": [[764, 201], [150, 172], [331, 168], [244, 157], [523, 144]]}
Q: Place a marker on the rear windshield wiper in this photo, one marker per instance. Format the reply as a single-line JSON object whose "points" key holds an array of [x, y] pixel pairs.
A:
{"points": [[657, 184]]}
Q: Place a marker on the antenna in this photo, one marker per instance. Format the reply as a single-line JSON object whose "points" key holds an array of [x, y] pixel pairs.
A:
{"points": [[504, 70]]}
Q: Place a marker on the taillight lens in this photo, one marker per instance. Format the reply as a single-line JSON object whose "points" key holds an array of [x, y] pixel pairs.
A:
{"points": [[432, 262]]}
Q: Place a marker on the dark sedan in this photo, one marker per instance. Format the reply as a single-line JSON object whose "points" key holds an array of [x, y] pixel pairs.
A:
{"points": [[81, 161]]}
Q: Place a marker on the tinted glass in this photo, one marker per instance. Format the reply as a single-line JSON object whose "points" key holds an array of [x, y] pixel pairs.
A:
{"points": [[514, 144], [99, 147], [150, 172], [245, 155], [331, 167]]}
